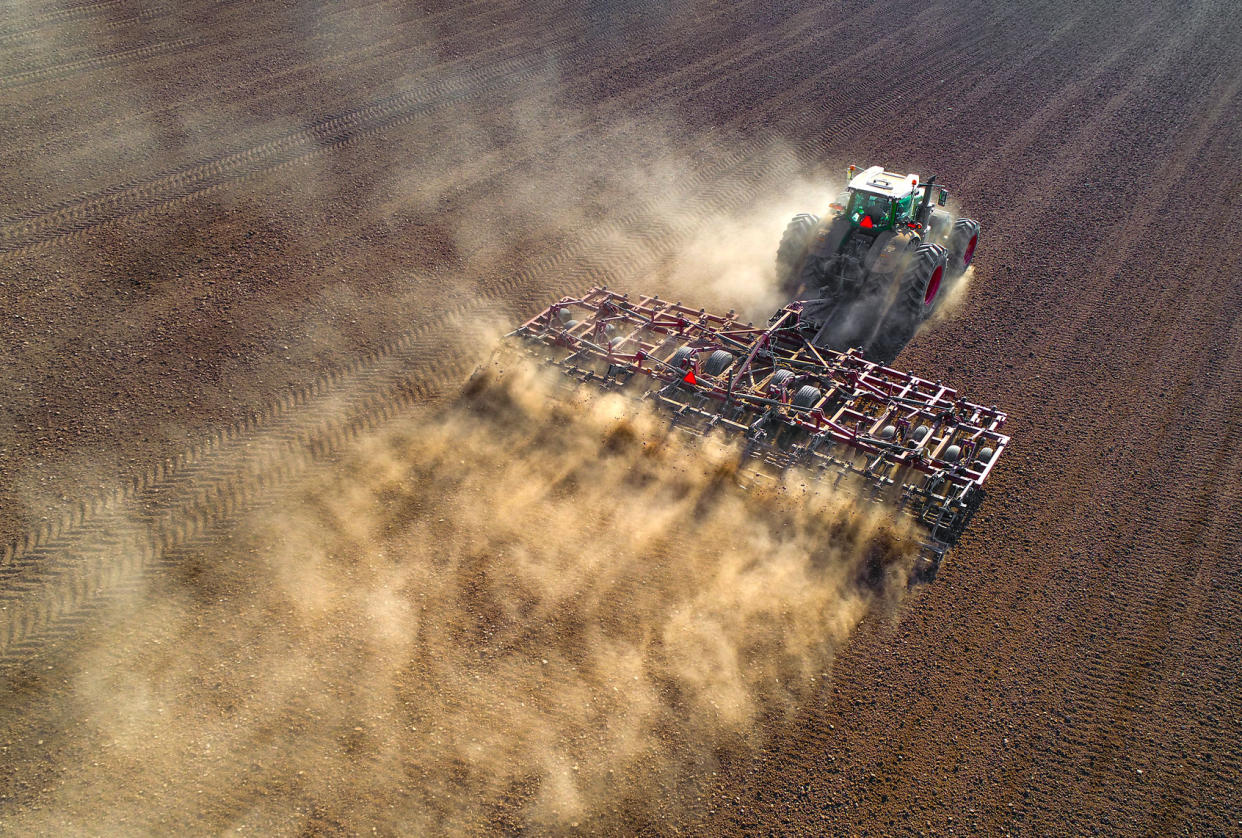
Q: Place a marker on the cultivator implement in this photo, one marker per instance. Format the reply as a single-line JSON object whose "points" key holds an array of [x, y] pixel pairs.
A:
{"points": [[903, 439]]}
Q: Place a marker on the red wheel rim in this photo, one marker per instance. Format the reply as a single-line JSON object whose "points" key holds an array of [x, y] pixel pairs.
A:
{"points": [[970, 251], [933, 286]]}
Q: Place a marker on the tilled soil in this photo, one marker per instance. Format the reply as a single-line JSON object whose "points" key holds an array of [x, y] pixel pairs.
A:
{"points": [[236, 236]]}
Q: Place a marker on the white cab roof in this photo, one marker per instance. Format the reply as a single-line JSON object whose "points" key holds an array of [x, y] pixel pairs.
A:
{"points": [[879, 182]]}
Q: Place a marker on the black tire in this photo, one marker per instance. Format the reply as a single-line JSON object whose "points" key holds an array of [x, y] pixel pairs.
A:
{"points": [[889, 342], [682, 362], [806, 396], [678, 361], [962, 243], [921, 284], [879, 244], [718, 362], [792, 249], [939, 226], [813, 280], [917, 297], [778, 379]]}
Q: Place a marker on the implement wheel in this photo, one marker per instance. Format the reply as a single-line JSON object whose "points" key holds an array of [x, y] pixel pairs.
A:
{"points": [[807, 396], [718, 362]]}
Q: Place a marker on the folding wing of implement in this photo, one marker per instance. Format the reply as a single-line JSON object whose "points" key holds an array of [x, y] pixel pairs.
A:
{"points": [[908, 440]]}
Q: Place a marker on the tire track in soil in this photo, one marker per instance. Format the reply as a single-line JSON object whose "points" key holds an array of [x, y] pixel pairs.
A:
{"points": [[10, 34], [275, 42], [52, 55], [74, 214], [467, 24], [32, 231], [57, 12], [136, 199], [56, 9], [557, 260], [505, 37], [55, 557], [84, 65], [493, 47], [464, 15], [1053, 111]]}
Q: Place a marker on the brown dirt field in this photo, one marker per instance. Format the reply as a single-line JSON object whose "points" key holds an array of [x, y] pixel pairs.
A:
{"points": [[239, 240]]}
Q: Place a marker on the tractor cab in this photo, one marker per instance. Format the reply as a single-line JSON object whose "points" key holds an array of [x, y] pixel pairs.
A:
{"points": [[880, 200]]}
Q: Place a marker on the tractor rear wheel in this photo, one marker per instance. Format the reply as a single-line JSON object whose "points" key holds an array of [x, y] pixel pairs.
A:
{"points": [[921, 284], [962, 242], [917, 297], [792, 250], [814, 280]]}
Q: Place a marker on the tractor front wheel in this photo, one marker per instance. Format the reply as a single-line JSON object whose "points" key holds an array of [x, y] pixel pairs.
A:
{"points": [[962, 242]]}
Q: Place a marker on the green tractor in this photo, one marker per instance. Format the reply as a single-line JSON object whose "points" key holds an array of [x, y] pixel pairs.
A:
{"points": [[878, 266]]}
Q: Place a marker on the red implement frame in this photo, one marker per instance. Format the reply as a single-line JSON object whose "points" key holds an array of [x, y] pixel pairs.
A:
{"points": [[910, 440]]}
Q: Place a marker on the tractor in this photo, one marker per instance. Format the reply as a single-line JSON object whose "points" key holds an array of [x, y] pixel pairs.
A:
{"points": [[811, 388], [876, 267]]}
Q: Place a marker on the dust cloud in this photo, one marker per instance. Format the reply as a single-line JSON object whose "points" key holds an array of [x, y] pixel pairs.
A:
{"points": [[516, 612], [527, 610], [953, 299], [730, 260]]}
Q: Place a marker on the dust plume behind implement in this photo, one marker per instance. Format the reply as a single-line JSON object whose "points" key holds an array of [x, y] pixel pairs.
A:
{"points": [[528, 608]]}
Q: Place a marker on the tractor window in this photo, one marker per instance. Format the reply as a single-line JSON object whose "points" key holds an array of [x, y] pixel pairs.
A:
{"points": [[875, 206]]}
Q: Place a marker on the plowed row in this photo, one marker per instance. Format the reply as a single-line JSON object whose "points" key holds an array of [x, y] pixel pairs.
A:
{"points": [[211, 212]]}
